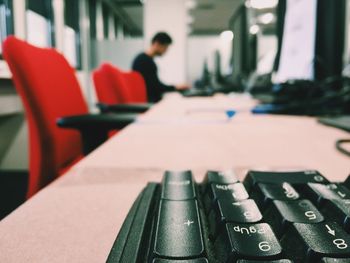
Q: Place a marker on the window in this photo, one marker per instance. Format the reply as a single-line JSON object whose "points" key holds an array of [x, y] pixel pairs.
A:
{"points": [[92, 14], [105, 15], [6, 20], [72, 44], [40, 23]]}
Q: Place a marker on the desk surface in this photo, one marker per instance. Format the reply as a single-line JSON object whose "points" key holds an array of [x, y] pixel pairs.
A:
{"points": [[77, 218]]}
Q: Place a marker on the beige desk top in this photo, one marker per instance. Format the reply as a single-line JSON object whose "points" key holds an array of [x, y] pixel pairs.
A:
{"points": [[77, 218]]}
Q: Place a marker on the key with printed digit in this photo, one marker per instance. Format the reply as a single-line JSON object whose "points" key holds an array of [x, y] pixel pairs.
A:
{"points": [[265, 193], [321, 192], [248, 241], [245, 211], [339, 210], [282, 213], [230, 192], [311, 242], [294, 178]]}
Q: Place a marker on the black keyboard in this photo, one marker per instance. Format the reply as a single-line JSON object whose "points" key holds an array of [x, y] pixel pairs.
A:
{"points": [[278, 217]]}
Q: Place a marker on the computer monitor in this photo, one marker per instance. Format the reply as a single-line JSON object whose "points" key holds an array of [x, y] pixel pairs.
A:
{"points": [[217, 67], [297, 54], [312, 41], [239, 60], [244, 46], [346, 55]]}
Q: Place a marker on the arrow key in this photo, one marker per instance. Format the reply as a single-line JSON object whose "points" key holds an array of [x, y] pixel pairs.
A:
{"points": [[326, 239]]}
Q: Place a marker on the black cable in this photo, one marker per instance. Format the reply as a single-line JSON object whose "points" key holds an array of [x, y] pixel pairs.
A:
{"points": [[340, 148]]}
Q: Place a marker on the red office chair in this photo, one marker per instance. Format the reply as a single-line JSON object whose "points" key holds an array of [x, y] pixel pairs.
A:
{"points": [[138, 93], [119, 91], [49, 89]]}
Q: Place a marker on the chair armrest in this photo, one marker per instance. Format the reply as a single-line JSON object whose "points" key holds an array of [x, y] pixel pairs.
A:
{"points": [[97, 121], [94, 128], [125, 108]]}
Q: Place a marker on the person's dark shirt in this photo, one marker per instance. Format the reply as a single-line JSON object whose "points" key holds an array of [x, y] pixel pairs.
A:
{"points": [[148, 69]]}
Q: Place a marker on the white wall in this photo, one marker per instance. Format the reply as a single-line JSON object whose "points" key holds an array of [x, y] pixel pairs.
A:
{"points": [[122, 52], [169, 16], [118, 52]]}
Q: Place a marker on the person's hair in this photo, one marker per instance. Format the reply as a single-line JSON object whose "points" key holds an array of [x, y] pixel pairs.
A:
{"points": [[162, 38]]}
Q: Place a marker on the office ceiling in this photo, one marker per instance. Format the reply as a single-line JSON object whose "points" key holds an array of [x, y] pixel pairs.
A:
{"points": [[209, 16], [213, 16]]}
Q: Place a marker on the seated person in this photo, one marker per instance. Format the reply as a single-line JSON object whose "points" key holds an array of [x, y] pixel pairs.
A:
{"points": [[145, 64]]}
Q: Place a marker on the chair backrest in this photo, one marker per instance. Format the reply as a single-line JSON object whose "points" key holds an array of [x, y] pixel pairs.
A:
{"points": [[137, 85], [115, 86], [105, 92], [49, 89]]}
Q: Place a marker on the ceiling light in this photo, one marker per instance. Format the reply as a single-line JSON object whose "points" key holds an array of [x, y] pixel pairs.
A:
{"points": [[191, 4], [254, 29], [142, 1], [261, 4], [266, 18], [227, 35]]}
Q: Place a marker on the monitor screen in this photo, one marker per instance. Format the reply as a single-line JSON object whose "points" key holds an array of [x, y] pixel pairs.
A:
{"points": [[239, 62], [346, 59], [298, 42]]}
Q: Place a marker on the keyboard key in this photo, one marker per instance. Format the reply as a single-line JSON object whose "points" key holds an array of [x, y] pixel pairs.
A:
{"points": [[245, 211], [320, 192], [284, 191], [265, 193], [282, 213], [339, 210], [270, 261], [178, 186], [248, 241], [178, 230], [347, 182], [230, 192], [198, 260], [294, 178], [227, 177], [220, 221], [335, 260], [311, 242]]}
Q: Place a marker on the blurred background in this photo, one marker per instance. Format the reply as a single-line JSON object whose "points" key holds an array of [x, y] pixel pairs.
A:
{"points": [[235, 45]]}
